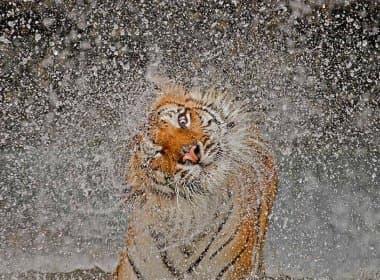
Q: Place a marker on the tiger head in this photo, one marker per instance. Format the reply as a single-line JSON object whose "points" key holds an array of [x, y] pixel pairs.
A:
{"points": [[193, 141]]}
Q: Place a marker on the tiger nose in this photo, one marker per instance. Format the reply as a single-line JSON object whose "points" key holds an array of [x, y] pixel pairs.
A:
{"points": [[191, 153]]}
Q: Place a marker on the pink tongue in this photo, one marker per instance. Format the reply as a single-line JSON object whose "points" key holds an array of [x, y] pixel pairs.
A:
{"points": [[191, 155]]}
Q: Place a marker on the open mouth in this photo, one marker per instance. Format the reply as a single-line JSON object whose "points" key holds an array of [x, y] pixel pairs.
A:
{"points": [[191, 154]]}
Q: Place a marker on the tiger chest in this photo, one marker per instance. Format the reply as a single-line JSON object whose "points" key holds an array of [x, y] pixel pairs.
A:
{"points": [[180, 241]]}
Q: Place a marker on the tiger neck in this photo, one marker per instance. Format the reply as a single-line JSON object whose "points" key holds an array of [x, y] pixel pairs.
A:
{"points": [[185, 217]]}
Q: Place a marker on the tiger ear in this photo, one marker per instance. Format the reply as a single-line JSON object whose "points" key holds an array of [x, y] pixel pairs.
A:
{"points": [[162, 85], [166, 86], [159, 81]]}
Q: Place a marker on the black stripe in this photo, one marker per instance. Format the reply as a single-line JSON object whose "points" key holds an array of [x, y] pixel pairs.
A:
{"points": [[169, 195], [169, 110], [221, 273], [202, 255], [183, 172], [206, 109], [157, 191], [198, 238], [183, 195], [209, 123], [205, 165], [219, 154], [212, 115], [158, 238], [169, 265], [209, 146], [154, 179], [164, 254], [186, 251], [233, 235], [196, 187], [135, 270], [162, 193], [214, 149]]}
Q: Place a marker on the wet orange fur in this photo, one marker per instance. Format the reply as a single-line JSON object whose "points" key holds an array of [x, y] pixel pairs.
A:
{"points": [[243, 265], [250, 236]]}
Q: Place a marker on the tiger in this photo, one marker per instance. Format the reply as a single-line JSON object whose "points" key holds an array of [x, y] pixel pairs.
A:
{"points": [[202, 181]]}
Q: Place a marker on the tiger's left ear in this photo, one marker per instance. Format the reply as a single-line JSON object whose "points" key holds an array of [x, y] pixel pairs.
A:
{"points": [[162, 84], [168, 87]]}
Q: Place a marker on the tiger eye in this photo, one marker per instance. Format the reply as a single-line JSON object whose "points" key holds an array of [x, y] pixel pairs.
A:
{"points": [[182, 120]]}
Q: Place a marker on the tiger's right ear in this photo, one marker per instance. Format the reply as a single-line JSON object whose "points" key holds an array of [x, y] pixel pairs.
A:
{"points": [[159, 82], [165, 86]]}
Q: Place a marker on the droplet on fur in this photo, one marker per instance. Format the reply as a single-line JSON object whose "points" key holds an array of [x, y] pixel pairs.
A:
{"points": [[230, 125]]}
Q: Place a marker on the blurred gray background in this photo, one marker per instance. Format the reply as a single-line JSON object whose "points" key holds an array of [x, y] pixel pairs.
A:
{"points": [[74, 88]]}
